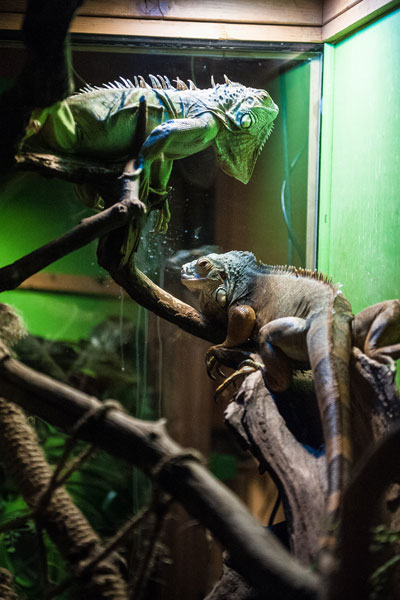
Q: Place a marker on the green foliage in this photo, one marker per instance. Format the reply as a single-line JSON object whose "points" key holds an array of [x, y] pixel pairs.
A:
{"points": [[106, 490], [382, 542]]}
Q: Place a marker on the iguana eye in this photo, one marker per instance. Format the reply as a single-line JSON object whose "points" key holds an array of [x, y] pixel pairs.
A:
{"points": [[203, 262], [246, 121], [203, 265]]}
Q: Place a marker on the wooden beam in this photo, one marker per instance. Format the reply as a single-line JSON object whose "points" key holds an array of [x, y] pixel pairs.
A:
{"points": [[176, 30], [72, 284], [305, 21], [266, 12], [352, 16], [334, 8]]}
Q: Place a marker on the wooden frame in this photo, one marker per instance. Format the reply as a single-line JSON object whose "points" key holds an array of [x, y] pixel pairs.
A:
{"points": [[304, 21], [72, 284], [313, 164]]}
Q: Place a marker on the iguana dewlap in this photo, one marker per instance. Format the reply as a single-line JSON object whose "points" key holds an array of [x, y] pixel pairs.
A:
{"points": [[297, 318], [100, 123]]}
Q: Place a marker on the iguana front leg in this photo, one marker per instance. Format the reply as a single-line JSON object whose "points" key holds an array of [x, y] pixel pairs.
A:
{"points": [[178, 138], [376, 331], [173, 139], [241, 321]]}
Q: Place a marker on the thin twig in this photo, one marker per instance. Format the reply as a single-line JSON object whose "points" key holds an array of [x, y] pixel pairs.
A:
{"points": [[112, 545], [161, 507], [42, 554]]}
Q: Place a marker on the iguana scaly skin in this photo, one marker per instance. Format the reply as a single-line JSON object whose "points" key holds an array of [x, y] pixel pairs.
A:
{"points": [[100, 123], [298, 319]]}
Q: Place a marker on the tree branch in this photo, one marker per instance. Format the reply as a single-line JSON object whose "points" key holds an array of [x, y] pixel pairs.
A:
{"points": [[301, 476], [149, 295], [11, 276], [257, 555]]}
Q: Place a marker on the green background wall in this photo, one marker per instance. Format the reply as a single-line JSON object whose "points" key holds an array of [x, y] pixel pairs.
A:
{"points": [[359, 219], [284, 157], [33, 211]]}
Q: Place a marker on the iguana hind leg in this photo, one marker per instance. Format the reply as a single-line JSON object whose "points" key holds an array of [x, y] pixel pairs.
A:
{"points": [[376, 331], [280, 341]]}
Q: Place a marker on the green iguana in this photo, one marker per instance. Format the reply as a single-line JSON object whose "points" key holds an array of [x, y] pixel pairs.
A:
{"points": [[297, 319], [100, 123]]}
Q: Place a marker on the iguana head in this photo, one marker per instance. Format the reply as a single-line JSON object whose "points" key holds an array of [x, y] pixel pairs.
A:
{"points": [[248, 115], [218, 277]]}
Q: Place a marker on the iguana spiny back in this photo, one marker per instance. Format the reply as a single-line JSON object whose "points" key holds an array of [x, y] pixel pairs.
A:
{"points": [[100, 122], [297, 318]]}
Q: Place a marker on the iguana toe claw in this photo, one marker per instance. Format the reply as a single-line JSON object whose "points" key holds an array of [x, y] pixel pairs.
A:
{"points": [[163, 219], [141, 207], [245, 368], [251, 363], [220, 372], [210, 364]]}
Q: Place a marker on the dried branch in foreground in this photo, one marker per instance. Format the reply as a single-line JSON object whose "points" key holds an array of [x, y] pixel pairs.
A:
{"points": [[374, 474], [299, 474], [6, 586], [257, 555]]}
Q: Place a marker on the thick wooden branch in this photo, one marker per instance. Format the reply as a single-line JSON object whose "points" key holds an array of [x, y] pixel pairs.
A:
{"points": [[260, 426], [11, 276], [257, 555], [300, 475]]}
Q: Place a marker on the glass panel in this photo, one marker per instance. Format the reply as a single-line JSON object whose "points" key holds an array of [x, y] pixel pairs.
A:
{"points": [[101, 341]]}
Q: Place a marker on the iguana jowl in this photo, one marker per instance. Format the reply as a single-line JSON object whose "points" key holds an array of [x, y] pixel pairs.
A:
{"points": [[297, 318], [100, 123]]}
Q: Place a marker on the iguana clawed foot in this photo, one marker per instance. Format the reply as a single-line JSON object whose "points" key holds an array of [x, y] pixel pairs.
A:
{"points": [[245, 368], [212, 361], [220, 353], [163, 218], [376, 331]]}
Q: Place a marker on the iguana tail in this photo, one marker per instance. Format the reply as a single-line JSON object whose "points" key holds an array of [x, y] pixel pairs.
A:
{"points": [[329, 346]]}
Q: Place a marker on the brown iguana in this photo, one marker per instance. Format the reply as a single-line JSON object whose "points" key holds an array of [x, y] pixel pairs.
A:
{"points": [[298, 319], [100, 123]]}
